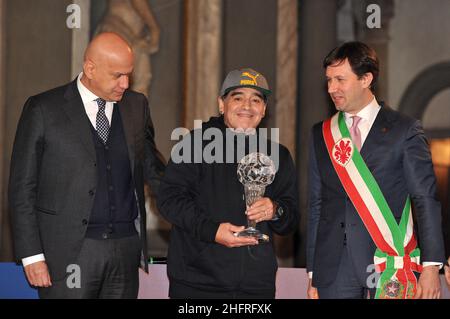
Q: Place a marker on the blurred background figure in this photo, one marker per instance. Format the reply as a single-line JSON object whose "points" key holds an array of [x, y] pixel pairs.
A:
{"points": [[135, 22]]}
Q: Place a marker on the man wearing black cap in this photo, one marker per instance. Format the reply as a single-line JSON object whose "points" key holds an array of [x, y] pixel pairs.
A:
{"points": [[204, 201]]}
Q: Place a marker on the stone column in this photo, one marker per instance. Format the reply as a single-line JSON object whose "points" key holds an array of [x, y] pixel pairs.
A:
{"points": [[316, 40], [203, 38], [377, 38], [80, 37], [286, 86], [286, 99], [3, 190]]}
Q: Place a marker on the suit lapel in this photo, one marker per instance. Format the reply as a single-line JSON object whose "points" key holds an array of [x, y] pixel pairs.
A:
{"points": [[127, 121], [377, 133], [78, 119]]}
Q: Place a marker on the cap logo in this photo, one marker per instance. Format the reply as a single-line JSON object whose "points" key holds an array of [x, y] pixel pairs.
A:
{"points": [[249, 82]]}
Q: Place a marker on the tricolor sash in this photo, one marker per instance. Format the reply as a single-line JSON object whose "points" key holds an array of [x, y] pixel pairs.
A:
{"points": [[397, 255]]}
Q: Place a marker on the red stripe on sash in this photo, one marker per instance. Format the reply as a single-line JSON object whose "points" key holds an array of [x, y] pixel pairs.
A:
{"points": [[354, 195]]}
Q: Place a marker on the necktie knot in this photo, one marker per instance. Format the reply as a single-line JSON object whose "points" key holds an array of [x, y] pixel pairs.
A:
{"points": [[356, 120], [101, 103], [355, 133]]}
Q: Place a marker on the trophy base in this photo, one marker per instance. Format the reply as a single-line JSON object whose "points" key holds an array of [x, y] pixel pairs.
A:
{"points": [[252, 232]]}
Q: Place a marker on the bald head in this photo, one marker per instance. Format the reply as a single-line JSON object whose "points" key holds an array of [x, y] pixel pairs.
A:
{"points": [[107, 45], [108, 63]]}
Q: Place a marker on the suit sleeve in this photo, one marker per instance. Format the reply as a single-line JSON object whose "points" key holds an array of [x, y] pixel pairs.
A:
{"points": [[421, 184], [26, 159], [286, 195], [314, 204], [154, 164], [178, 194]]}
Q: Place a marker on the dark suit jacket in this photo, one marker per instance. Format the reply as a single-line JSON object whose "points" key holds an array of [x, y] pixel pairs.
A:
{"points": [[397, 153], [53, 174]]}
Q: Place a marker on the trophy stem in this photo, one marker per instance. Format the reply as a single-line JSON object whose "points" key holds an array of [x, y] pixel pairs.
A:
{"points": [[252, 194]]}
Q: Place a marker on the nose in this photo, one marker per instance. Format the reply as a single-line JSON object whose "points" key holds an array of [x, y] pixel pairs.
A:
{"points": [[331, 86], [124, 82], [247, 104]]}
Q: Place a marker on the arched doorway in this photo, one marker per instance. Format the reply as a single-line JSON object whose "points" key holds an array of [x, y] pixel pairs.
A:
{"points": [[423, 88]]}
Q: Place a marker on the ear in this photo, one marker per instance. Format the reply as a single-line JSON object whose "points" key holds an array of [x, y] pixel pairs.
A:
{"points": [[221, 105], [367, 80], [264, 110], [89, 69]]}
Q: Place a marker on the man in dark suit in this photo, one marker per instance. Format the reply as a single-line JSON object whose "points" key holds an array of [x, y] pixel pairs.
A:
{"points": [[76, 190], [389, 150]]}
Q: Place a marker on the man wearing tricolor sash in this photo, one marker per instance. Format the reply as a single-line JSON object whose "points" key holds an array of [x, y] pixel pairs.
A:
{"points": [[374, 221]]}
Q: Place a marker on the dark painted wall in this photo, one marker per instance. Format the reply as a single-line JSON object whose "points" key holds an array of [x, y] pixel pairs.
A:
{"points": [[38, 57], [249, 30]]}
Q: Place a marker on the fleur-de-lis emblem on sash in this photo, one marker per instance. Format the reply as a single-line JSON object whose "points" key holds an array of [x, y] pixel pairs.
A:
{"points": [[343, 151]]}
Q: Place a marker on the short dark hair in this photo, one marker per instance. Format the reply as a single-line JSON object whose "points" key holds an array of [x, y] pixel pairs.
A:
{"points": [[264, 97], [362, 58]]}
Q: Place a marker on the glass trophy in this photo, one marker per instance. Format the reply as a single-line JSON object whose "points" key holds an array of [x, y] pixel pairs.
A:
{"points": [[255, 171]]}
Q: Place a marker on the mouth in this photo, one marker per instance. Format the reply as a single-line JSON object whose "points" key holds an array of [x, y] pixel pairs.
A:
{"points": [[337, 99], [245, 115], [116, 96]]}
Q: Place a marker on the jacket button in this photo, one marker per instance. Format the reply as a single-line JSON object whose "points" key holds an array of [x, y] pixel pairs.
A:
{"points": [[84, 222], [342, 225], [91, 193]]}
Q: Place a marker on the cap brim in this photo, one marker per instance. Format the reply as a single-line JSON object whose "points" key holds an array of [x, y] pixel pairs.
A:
{"points": [[263, 91]]}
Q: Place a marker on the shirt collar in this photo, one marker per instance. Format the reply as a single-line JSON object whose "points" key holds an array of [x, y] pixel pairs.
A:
{"points": [[368, 113], [248, 131], [86, 95]]}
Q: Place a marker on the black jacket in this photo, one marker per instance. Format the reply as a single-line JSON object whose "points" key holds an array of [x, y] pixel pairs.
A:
{"points": [[197, 197]]}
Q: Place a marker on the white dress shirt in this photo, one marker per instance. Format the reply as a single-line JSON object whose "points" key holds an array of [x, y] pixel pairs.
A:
{"points": [[90, 105], [91, 108], [368, 115]]}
